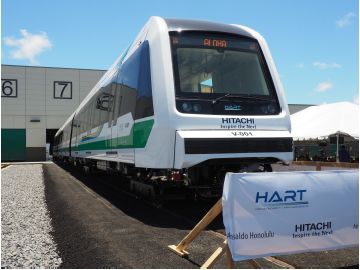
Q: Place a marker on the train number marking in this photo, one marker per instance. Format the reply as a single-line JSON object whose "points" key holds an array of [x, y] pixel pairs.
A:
{"points": [[62, 90], [242, 133], [9, 88]]}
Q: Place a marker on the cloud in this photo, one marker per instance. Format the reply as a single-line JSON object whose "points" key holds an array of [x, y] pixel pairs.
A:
{"points": [[29, 46], [356, 99], [322, 65], [324, 86], [345, 20], [301, 65]]}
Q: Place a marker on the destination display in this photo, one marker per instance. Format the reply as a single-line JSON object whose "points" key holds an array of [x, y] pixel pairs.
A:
{"points": [[290, 212], [214, 41]]}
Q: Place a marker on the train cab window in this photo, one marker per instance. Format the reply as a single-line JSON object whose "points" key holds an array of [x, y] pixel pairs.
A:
{"points": [[218, 68], [222, 71]]}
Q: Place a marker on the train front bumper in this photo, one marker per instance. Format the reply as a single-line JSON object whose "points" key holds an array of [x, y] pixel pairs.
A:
{"points": [[196, 146]]}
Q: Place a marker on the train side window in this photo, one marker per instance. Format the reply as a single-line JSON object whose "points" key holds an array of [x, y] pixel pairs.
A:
{"points": [[81, 119], [104, 104], [96, 119], [135, 80], [90, 118], [144, 102], [87, 116], [128, 100], [92, 115], [128, 80], [113, 105], [78, 119], [117, 97], [105, 100], [113, 113]]}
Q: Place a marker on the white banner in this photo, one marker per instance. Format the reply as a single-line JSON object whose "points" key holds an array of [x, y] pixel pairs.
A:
{"points": [[277, 213]]}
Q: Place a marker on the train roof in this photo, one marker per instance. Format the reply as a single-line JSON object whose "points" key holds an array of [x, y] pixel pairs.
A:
{"points": [[199, 25]]}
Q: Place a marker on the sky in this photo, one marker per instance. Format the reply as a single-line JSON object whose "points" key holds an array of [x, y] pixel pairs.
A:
{"points": [[315, 44]]}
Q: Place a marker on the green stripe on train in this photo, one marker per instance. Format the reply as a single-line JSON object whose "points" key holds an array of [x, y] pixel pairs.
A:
{"points": [[138, 138]]}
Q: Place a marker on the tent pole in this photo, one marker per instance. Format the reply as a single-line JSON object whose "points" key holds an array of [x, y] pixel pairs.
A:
{"points": [[337, 147]]}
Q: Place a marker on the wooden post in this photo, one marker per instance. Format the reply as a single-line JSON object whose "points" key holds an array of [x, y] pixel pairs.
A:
{"points": [[214, 257], [229, 260], [180, 249], [217, 254], [318, 166]]}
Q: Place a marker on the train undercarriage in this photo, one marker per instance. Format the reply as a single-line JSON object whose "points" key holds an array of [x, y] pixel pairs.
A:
{"points": [[202, 181]]}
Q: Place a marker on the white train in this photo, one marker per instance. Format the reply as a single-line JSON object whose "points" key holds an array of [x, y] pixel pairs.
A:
{"points": [[187, 102]]}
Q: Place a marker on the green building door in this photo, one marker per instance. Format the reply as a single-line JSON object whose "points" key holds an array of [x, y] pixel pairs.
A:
{"points": [[13, 144]]}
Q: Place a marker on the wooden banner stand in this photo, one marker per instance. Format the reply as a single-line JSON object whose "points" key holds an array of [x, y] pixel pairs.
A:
{"points": [[180, 249]]}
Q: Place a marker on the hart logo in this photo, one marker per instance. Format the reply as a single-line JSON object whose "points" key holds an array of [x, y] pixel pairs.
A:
{"points": [[288, 198], [232, 108]]}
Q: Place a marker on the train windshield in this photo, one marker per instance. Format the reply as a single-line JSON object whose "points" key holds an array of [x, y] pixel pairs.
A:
{"points": [[220, 68]]}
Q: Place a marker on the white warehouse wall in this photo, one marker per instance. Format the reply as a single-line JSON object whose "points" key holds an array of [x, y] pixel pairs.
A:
{"points": [[35, 101]]}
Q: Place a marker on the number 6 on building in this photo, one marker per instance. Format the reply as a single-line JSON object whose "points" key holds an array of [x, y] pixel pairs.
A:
{"points": [[9, 88]]}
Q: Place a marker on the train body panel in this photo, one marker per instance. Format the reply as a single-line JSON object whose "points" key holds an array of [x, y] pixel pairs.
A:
{"points": [[174, 100]]}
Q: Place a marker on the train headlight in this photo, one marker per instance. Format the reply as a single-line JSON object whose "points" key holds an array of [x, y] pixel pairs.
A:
{"points": [[186, 107], [268, 109], [271, 108], [264, 109], [197, 108]]}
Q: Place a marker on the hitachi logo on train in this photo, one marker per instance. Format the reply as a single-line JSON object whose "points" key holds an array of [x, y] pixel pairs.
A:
{"points": [[237, 120], [313, 226]]}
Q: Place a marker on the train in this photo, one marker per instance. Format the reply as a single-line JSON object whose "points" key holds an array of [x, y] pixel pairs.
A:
{"points": [[187, 102]]}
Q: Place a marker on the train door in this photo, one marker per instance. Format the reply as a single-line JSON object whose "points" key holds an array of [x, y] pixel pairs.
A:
{"points": [[125, 123], [126, 92]]}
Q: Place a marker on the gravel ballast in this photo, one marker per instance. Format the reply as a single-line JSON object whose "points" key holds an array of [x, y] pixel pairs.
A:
{"points": [[26, 240]]}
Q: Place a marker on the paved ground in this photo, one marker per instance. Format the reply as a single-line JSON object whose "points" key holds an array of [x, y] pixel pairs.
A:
{"points": [[92, 233], [99, 227]]}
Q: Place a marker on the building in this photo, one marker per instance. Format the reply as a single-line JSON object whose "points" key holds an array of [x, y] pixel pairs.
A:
{"points": [[294, 108], [36, 101]]}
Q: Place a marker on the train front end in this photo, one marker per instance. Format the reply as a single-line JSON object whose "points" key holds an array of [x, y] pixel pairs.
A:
{"points": [[219, 105], [230, 113], [229, 103]]}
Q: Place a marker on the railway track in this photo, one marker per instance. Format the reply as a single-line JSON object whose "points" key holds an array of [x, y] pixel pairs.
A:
{"points": [[190, 212]]}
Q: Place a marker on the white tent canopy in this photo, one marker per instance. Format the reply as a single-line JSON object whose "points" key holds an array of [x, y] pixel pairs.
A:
{"points": [[320, 122]]}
